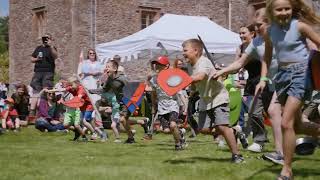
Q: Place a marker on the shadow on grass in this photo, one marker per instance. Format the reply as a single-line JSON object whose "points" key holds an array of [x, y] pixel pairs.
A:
{"points": [[275, 169], [196, 159]]}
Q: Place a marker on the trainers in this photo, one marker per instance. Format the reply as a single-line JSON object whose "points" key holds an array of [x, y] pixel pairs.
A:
{"points": [[237, 158], [130, 141], [178, 147], [275, 157], [84, 139], [183, 141], [243, 140], [147, 137], [255, 147], [94, 136], [117, 141], [104, 137], [76, 135]]}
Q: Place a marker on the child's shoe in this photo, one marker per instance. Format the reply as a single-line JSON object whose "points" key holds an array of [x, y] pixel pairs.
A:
{"points": [[94, 136], [76, 135], [178, 147], [117, 141], [130, 141]]}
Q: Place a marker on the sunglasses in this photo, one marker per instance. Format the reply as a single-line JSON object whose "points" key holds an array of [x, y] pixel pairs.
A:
{"points": [[92, 53]]}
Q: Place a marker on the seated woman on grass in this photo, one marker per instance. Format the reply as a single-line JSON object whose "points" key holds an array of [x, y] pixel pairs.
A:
{"points": [[49, 114]]}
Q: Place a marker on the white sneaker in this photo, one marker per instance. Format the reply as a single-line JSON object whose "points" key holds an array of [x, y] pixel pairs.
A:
{"points": [[255, 147], [94, 136], [117, 141]]}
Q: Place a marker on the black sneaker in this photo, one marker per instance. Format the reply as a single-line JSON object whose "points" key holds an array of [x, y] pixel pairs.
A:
{"points": [[178, 147], [76, 135], [243, 140], [237, 158], [130, 141]]}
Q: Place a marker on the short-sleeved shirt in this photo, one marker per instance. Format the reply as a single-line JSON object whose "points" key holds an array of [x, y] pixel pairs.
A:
{"points": [[46, 62], [212, 92], [12, 114], [87, 106], [166, 103]]}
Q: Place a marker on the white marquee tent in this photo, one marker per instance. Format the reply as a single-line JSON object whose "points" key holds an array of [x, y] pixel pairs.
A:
{"points": [[171, 30]]}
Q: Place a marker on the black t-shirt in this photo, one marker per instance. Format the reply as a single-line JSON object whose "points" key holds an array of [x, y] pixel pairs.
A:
{"points": [[254, 70], [46, 64]]}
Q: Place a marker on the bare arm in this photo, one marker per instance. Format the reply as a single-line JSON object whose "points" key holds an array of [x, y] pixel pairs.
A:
{"points": [[307, 31], [34, 60], [198, 77]]}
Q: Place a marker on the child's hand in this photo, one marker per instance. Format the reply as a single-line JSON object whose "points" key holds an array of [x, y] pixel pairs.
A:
{"points": [[214, 74], [260, 86]]}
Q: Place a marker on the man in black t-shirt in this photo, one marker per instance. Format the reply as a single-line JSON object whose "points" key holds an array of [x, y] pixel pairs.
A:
{"points": [[44, 58]]}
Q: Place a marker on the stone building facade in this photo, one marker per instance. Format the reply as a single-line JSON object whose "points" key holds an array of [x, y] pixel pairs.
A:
{"points": [[80, 24]]}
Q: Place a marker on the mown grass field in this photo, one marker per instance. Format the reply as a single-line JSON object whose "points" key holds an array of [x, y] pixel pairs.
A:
{"points": [[33, 155]]}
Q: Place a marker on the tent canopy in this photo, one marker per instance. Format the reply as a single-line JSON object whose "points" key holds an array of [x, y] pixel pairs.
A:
{"points": [[171, 30]]}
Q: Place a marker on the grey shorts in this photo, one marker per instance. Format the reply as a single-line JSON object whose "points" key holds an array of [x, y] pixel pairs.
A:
{"points": [[204, 121], [41, 80], [219, 115], [293, 80]]}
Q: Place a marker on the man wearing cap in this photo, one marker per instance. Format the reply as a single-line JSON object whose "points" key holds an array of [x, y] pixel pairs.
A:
{"points": [[117, 59]]}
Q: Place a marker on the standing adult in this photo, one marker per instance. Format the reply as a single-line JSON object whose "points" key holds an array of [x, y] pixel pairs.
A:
{"points": [[43, 58]]}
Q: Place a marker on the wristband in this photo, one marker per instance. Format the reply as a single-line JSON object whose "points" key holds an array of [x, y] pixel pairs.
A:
{"points": [[263, 78]]}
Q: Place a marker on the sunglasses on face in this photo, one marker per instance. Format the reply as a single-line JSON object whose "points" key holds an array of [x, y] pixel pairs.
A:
{"points": [[92, 53]]}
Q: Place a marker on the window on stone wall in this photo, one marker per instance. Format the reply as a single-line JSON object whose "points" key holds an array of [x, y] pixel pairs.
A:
{"points": [[147, 18], [39, 21]]}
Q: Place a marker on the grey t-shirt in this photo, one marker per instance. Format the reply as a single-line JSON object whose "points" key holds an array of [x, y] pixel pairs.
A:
{"points": [[212, 92], [166, 103]]}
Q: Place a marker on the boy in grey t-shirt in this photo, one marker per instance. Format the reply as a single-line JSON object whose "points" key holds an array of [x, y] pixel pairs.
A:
{"points": [[212, 93]]}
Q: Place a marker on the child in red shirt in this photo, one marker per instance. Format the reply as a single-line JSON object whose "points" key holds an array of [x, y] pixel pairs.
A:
{"points": [[9, 117]]}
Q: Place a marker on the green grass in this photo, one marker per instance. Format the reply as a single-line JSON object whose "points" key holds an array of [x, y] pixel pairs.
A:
{"points": [[33, 155]]}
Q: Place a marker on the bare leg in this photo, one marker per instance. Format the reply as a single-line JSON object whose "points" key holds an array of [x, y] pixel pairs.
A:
{"points": [[228, 135], [275, 116], [291, 111], [127, 126], [115, 130], [175, 132]]}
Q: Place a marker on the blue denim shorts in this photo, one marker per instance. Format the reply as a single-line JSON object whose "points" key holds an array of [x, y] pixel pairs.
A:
{"points": [[86, 115], [292, 80]]}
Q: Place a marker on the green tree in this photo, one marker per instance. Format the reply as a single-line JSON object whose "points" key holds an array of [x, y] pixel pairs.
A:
{"points": [[4, 47], [4, 34]]}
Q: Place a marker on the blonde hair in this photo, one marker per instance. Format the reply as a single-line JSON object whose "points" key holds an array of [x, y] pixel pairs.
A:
{"points": [[300, 11], [195, 43]]}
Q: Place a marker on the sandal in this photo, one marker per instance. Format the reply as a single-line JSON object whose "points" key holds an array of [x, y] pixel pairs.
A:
{"points": [[283, 177]]}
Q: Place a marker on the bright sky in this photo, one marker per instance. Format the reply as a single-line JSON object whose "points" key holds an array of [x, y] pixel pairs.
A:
{"points": [[4, 7]]}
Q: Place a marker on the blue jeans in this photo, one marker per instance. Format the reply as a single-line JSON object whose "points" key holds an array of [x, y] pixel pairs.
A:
{"points": [[43, 124]]}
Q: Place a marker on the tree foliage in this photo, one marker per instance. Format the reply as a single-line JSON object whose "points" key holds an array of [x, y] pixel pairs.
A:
{"points": [[4, 47]]}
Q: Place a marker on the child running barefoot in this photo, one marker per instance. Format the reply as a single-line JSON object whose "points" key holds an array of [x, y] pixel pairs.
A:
{"points": [[212, 93], [287, 35]]}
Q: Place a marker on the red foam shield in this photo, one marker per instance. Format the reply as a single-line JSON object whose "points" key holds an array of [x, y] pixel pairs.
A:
{"points": [[173, 80], [75, 102]]}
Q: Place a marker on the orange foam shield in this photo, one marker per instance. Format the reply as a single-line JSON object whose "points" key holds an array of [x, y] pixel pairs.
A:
{"points": [[173, 80], [75, 102]]}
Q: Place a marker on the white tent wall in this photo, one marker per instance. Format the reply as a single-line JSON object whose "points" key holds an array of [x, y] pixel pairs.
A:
{"points": [[171, 30]]}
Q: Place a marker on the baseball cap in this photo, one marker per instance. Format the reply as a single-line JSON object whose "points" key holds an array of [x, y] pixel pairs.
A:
{"points": [[163, 60], [116, 58]]}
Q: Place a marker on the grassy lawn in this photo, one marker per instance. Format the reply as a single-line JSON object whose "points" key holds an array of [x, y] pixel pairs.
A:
{"points": [[33, 155]]}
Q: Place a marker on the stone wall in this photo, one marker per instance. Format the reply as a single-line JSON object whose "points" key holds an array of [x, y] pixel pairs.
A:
{"points": [[79, 24]]}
